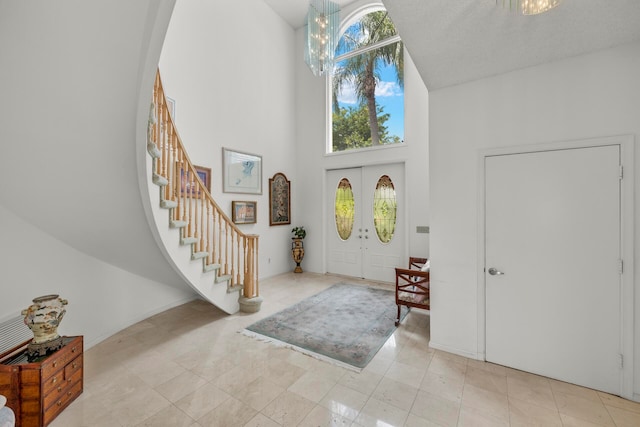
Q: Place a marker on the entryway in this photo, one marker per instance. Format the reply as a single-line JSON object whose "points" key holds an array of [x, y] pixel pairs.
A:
{"points": [[554, 300], [365, 221]]}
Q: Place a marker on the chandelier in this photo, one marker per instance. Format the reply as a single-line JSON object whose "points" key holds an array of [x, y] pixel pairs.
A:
{"points": [[533, 7], [321, 37]]}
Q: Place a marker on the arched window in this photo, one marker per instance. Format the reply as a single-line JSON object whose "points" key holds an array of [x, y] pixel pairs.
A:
{"points": [[367, 84]]}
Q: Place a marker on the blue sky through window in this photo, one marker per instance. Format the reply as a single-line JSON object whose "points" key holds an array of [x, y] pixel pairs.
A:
{"points": [[388, 94]]}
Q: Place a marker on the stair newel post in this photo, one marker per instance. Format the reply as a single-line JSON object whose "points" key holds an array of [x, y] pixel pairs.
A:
{"points": [[249, 291], [256, 282]]}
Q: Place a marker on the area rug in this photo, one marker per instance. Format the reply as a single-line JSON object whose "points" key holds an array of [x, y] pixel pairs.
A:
{"points": [[345, 323]]}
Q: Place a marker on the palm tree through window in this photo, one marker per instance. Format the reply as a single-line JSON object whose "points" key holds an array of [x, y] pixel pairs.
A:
{"points": [[368, 85]]}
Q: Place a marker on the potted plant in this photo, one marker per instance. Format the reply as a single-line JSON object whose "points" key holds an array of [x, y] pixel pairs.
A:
{"points": [[297, 247]]}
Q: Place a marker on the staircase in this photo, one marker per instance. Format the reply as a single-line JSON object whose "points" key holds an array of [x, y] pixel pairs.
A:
{"points": [[229, 258]]}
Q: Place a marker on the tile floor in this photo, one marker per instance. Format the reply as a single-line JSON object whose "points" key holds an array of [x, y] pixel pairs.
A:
{"points": [[189, 366]]}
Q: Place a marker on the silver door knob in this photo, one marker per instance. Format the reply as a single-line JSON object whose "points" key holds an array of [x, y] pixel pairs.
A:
{"points": [[495, 272]]}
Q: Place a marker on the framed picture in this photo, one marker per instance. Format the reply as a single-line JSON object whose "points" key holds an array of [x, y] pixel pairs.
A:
{"points": [[185, 181], [243, 212], [279, 200], [242, 172]]}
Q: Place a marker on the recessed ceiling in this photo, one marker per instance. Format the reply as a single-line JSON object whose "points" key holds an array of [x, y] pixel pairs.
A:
{"points": [[453, 42]]}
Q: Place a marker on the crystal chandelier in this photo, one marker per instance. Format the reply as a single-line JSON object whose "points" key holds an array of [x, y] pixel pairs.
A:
{"points": [[532, 7], [323, 22]]}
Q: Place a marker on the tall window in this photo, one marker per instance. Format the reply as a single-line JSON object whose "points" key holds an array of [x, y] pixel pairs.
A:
{"points": [[368, 85]]}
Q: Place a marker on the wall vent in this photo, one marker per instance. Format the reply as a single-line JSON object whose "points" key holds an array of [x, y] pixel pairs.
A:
{"points": [[13, 332]]}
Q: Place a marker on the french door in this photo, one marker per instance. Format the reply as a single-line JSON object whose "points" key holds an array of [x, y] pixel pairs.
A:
{"points": [[366, 229]]}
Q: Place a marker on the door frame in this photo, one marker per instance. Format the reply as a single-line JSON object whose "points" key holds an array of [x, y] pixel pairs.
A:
{"points": [[325, 211], [627, 236]]}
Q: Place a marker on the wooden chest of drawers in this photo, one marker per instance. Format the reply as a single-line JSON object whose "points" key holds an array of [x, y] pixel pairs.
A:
{"points": [[39, 390]]}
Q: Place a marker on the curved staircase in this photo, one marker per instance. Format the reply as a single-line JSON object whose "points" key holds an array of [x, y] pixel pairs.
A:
{"points": [[203, 234]]}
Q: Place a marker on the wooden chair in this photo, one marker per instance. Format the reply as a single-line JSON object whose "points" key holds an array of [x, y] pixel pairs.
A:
{"points": [[412, 286]]}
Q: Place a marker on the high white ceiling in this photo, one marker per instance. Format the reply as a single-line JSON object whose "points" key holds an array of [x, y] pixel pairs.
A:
{"points": [[452, 42]]}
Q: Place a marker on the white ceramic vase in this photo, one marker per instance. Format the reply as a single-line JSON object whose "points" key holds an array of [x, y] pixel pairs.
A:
{"points": [[44, 316]]}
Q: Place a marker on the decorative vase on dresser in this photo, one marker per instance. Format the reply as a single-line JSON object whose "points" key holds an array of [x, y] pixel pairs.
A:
{"points": [[43, 318]]}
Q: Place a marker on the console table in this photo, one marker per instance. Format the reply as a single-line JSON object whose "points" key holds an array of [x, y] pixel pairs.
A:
{"points": [[38, 390]]}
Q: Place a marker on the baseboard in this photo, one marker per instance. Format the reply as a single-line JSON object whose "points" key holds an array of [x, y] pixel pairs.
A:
{"points": [[457, 351]]}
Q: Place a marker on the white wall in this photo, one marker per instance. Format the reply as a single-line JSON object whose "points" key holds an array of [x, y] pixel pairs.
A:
{"points": [[588, 96], [71, 218], [103, 299], [230, 70], [70, 85], [312, 161]]}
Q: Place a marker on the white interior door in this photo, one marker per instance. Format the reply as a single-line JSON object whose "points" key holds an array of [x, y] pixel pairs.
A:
{"points": [[552, 227], [367, 252]]}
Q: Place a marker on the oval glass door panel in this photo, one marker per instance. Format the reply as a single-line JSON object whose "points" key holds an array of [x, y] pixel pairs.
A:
{"points": [[345, 209], [385, 207]]}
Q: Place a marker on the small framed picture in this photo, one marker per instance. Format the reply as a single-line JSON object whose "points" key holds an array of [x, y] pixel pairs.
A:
{"points": [[242, 172], [187, 180], [243, 212], [279, 200]]}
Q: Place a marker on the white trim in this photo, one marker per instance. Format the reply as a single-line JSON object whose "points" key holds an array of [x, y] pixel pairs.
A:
{"points": [[627, 233], [356, 52], [452, 350]]}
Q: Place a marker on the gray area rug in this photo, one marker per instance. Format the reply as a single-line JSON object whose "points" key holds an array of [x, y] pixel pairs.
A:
{"points": [[346, 323]]}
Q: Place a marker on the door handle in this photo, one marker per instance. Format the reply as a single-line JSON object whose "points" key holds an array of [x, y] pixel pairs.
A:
{"points": [[495, 272]]}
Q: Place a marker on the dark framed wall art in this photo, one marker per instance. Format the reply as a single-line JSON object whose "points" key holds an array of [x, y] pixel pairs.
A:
{"points": [[279, 200]]}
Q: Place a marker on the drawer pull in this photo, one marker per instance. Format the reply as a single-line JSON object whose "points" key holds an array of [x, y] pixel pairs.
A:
{"points": [[69, 380], [59, 389], [59, 403], [55, 363], [54, 380], [69, 393], [74, 365], [73, 350]]}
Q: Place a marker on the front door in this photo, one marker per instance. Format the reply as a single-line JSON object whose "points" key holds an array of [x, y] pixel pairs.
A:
{"points": [[365, 230], [552, 250]]}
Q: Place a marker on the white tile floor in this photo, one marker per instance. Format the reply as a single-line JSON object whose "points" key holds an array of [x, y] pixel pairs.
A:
{"points": [[189, 366]]}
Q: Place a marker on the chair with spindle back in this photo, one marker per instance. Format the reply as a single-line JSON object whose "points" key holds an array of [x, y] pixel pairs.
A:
{"points": [[412, 285]]}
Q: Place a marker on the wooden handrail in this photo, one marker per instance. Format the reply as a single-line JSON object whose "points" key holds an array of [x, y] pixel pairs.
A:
{"points": [[213, 235]]}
